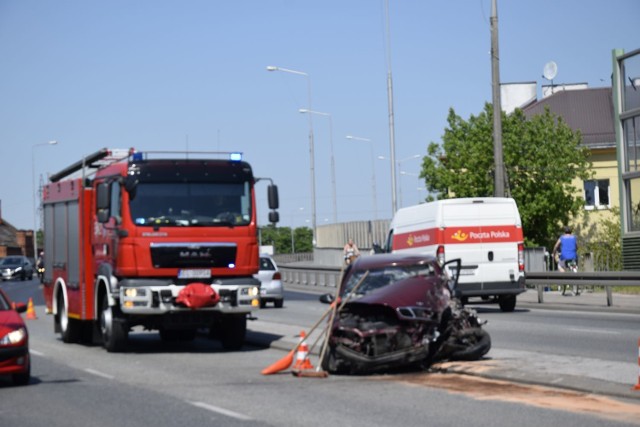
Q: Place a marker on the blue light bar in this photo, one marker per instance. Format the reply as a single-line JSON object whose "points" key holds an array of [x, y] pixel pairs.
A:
{"points": [[235, 157], [137, 156]]}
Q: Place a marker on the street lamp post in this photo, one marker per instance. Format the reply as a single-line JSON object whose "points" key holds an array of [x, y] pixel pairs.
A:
{"points": [[311, 149], [400, 187], [373, 173], [33, 194], [415, 156], [333, 163]]}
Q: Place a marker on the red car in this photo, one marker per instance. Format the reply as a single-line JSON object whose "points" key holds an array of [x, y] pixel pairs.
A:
{"points": [[14, 342]]}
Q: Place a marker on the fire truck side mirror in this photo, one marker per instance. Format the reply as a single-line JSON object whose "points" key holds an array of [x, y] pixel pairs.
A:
{"points": [[272, 192], [274, 217], [102, 196], [102, 202]]}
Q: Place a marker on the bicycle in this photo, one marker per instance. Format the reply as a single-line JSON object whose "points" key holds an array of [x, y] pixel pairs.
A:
{"points": [[572, 266]]}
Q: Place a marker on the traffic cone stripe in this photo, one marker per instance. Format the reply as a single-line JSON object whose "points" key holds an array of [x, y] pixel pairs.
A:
{"points": [[302, 357]]}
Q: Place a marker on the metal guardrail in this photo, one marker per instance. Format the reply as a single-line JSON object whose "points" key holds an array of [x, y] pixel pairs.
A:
{"points": [[606, 279], [324, 276], [309, 275]]}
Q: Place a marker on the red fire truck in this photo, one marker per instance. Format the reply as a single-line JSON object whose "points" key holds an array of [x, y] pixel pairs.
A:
{"points": [[162, 241]]}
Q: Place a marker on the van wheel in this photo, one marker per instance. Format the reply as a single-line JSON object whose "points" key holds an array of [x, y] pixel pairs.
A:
{"points": [[507, 303]]}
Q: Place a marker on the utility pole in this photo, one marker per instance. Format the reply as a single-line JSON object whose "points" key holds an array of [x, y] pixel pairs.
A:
{"points": [[499, 175]]}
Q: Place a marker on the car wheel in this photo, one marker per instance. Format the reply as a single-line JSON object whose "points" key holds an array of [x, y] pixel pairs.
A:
{"points": [[279, 303], [263, 303]]}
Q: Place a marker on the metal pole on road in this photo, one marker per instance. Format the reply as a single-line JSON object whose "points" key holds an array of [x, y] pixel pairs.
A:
{"points": [[333, 163], [33, 194], [311, 148], [373, 173]]}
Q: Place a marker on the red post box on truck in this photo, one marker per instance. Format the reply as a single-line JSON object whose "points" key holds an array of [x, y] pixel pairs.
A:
{"points": [[164, 241], [485, 233]]}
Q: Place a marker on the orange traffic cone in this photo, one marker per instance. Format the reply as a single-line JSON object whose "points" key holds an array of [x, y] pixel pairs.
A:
{"points": [[280, 365], [31, 312], [302, 357]]}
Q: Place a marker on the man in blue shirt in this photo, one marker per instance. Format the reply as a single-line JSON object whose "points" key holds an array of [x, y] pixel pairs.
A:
{"points": [[568, 245]]}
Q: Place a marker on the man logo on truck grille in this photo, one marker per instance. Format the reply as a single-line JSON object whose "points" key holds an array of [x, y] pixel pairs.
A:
{"points": [[460, 236], [195, 254]]}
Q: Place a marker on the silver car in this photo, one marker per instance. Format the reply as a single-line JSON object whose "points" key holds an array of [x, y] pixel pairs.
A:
{"points": [[271, 289], [16, 266]]}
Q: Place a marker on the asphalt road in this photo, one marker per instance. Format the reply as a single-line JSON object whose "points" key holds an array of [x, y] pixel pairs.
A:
{"points": [[155, 383]]}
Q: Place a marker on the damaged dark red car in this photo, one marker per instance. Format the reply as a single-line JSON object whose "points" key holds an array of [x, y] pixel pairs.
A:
{"points": [[396, 311]]}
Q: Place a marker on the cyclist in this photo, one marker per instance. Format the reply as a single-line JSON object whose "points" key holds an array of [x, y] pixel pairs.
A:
{"points": [[567, 244]]}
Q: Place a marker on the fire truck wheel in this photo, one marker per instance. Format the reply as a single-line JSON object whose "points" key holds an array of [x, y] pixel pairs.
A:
{"points": [[114, 334], [233, 328], [70, 329]]}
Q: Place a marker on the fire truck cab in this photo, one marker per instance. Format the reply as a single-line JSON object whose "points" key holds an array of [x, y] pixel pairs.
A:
{"points": [[162, 241]]}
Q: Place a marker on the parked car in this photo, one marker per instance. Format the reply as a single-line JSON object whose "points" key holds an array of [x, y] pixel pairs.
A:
{"points": [[16, 266], [271, 289], [14, 342]]}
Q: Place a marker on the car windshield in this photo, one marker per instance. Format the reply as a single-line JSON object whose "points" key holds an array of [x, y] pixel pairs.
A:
{"points": [[12, 261], [379, 278], [191, 204], [4, 304]]}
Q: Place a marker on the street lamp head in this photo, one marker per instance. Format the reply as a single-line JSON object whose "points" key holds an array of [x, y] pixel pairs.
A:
{"points": [[303, 110], [54, 142], [271, 68], [358, 138]]}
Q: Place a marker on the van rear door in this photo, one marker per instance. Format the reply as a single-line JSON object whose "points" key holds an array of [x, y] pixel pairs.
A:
{"points": [[484, 235]]}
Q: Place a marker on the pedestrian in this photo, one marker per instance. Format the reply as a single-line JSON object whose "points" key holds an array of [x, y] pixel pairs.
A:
{"points": [[351, 252]]}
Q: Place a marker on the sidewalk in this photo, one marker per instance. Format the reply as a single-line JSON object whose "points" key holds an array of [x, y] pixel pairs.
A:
{"points": [[582, 374]]}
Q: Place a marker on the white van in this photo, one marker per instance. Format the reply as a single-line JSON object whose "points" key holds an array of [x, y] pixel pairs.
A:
{"points": [[484, 232]]}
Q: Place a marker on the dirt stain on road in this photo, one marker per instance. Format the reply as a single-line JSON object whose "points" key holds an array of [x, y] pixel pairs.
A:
{"points": [[543, 397]]}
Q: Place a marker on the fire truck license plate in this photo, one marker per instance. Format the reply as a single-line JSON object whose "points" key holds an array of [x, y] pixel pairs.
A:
{"points": [[194, 274]]}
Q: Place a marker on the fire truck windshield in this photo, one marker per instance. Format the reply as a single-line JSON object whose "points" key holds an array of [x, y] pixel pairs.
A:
{"points": [[190, 204]]}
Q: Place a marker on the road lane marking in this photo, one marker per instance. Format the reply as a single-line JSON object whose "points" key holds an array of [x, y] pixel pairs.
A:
{"points": [[594, 331], [99, 374], [222, 411]]}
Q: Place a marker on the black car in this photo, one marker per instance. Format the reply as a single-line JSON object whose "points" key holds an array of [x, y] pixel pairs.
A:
{"points": [[16, 266]]}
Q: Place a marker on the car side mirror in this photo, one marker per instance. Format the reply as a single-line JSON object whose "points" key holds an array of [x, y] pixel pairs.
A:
{"points": [[377, 249], [20, 307], [453, 269]]}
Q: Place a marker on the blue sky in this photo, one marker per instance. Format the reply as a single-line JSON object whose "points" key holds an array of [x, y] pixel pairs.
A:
{"points": [[172, 75]]}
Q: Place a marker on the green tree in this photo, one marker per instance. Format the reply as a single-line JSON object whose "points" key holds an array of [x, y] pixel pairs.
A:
{"points": [[280, 239], [542, 156]]}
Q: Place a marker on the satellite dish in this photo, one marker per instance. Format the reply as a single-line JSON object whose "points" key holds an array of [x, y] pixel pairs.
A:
{"points": [[550, 70]]}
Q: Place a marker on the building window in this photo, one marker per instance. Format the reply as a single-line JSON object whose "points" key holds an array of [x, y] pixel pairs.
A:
{"points": [[596, 194]]}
